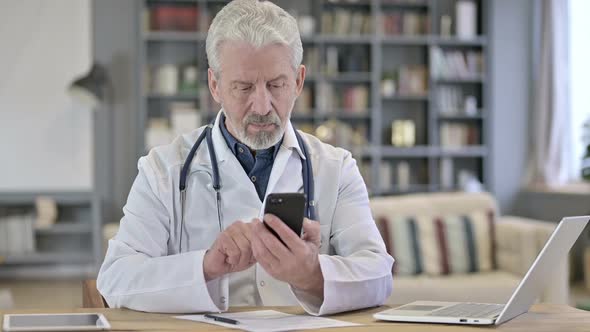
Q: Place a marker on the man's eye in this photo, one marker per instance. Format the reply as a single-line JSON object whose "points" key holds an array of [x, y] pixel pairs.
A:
{"points": [[245, 88], [276, 86]]}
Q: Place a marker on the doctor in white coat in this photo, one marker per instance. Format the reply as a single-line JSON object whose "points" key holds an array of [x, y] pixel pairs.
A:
{"points": [[221, 254]]}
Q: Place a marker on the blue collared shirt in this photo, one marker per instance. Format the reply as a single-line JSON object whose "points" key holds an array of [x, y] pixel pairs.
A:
{"points": [[258, 168]]}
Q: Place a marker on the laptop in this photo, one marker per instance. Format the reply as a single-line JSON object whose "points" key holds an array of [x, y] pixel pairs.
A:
{"points": [[555, 250]]}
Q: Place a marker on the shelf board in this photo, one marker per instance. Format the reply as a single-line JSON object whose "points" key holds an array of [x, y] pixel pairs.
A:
{"points": [[309, 39], [180, 96], [46, 258], [405, 4], [66, 228], [353, 115], [467, 151], [405, 40], [421, 98], [454, 41], [351, 77], [345, 115], [360, 3], [341, 39], [460, 80], [416, 151], [445, 117], [303, 117], [337, 114], [345, 77], [173, 1], [36, 272], [63, 197], [174, 36], [363, 152]]}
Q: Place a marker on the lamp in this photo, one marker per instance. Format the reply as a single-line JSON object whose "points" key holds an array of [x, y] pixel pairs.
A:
{"points": [[90, 89]]}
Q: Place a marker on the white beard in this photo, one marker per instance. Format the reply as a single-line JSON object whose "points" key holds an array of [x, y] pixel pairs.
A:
{"points": [[263, 139]]}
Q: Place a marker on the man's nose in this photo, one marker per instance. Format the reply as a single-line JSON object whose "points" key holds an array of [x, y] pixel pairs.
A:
{"points": [[262, 100]]}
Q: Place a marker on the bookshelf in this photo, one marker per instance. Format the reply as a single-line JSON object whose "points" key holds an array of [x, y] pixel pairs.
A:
{"points": [[70, 247], [374, 67]]}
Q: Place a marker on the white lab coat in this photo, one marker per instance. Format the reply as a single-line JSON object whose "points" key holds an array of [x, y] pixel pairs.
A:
{"points": [[143, 269]]}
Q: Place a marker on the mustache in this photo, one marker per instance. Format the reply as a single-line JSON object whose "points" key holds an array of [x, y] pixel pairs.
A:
{"points": [[258, 119]]}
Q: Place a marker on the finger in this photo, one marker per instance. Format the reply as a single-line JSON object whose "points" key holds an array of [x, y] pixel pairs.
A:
{"points": [[240, 233], [249, 235], [245, 248], [292, 240], [312, 231], [229, 248], [261, 252], [273, 243]]}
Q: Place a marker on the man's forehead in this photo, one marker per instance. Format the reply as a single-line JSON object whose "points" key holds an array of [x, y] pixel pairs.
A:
{"points": [[242, 54], [254, 78]]}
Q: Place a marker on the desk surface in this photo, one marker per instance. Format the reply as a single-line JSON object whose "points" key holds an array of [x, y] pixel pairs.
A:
{"points": [[542, 317]]}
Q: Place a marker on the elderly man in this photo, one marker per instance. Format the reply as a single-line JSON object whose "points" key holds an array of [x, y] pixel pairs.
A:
{"points": [[192, 240]]}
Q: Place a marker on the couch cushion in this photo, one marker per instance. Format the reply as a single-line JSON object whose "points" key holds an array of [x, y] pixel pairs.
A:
{"points": [[491, 287], [441, 244], [437, 239]]}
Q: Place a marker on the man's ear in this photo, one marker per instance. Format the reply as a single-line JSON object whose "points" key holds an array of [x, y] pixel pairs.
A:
{"points": [[213, 85], [300, 79]]}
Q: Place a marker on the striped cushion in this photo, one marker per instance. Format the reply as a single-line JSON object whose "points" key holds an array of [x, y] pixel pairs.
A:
{"points": [[440, 245]]}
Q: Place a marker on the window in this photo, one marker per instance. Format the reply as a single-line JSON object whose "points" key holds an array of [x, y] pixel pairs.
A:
{"points": [[580, 79]]}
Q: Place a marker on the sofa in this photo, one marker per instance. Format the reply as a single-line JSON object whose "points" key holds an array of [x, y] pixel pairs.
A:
{"points": [[437, 264]]}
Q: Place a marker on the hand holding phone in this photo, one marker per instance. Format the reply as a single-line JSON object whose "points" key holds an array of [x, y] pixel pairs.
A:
{"points": [[289, 207]]}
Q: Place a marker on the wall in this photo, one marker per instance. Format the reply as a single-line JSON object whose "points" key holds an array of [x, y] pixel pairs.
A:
{"points": [[116, 46], [511, 40], [45, 140]]}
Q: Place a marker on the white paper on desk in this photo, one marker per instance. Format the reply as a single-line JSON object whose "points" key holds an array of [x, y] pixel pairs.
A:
{"points": [[270, 321]]}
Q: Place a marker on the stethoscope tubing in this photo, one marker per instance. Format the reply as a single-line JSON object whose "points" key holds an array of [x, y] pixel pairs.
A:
{"points": [[307, 174]]}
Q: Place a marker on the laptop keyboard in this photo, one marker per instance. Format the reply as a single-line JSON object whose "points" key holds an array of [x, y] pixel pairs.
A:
{"points": [[469, 310]]}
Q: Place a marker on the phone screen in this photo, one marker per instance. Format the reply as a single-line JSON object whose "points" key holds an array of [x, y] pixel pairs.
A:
{"points": [[56, 320], [289, 207]]}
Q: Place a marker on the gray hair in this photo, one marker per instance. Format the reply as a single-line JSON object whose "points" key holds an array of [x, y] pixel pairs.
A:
{"points": [[258, 23]]}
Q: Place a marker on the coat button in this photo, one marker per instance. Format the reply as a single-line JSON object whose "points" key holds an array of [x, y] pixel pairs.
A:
{"points": [[262, 283], [240, 150], [253, 178], [223, 299]]}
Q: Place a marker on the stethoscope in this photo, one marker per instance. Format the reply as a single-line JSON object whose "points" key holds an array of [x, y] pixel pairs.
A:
{"points": [[306, 171]]}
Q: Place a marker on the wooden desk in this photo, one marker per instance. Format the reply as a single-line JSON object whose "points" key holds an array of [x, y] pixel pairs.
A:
{"points": [[542, 317]]}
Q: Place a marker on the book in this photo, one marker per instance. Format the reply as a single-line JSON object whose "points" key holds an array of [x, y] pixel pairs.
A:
{"points": [[404, 23], [304, 103], [446, 173], [184, 118], [456, 135], [455, 64], [167, 17], [385, 175], [344, 22], [356, 99], [412, 80]]}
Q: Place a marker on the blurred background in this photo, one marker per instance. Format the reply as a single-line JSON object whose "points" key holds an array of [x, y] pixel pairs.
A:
{"points": [[471, 109]]}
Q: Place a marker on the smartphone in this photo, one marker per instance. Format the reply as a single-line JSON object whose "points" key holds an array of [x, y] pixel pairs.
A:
{"points": [[289, 207]]}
